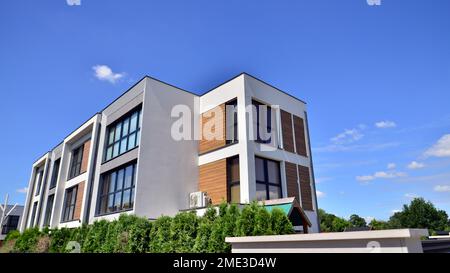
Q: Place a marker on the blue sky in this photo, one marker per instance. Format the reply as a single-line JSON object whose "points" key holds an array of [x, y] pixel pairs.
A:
{"points": [[376, 79]]}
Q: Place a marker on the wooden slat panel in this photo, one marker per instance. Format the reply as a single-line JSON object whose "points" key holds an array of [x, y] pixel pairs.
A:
{"points": [[206, 145], [291, 180], [79, 202], [286, 127], [305, 187], [85, 159], [300, 137], [213, 180]]}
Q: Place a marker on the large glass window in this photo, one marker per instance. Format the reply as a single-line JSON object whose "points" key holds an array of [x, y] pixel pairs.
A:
{"points": [[262, 120], [268, 181], [70, 201], [116, 191], [38, 180], [75, 165], [55, 173], [123, 135], [33, 214], [234, 187], [48, 210], [11, 223], [231, 122]]}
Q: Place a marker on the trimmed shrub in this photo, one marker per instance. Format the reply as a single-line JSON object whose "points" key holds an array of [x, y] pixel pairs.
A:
{"points": [[183, 231], [160, 235], [27, 240], [95, 237], [280, 223], [139, 236]]}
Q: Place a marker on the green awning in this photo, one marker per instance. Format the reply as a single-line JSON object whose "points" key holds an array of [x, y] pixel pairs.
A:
{"points": [[286, 208]]}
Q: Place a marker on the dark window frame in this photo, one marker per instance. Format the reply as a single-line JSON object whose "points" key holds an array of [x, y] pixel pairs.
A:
{"points": [[76, 161], [33, 214], [11, 223], [256, 104], [105, 178], [235, 139], [49, 209], [230, 183], [68, 214], [40, 175], [55, 172], [124, 136], [266, 177]]}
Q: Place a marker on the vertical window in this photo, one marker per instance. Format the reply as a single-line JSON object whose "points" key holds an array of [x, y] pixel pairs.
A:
{"points": [[116, 192], [70, 201], [123, 135], [33, 214], [231, 119], [268, 180], [75, 165], [234, 187], [38, 179], [48, 210], [11, 223], [262, 119], [55, 173]]}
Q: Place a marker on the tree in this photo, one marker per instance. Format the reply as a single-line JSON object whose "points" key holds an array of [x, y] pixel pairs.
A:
{"points": [[420, 214], [357, 221], [379, 225], [326, 221], [339, 224]]}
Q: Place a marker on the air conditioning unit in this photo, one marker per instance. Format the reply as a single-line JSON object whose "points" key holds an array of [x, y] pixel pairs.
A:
{"points": [[198, 199]]}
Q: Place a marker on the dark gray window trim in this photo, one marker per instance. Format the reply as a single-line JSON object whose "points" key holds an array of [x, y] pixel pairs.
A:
{"points": [[266, 177]]}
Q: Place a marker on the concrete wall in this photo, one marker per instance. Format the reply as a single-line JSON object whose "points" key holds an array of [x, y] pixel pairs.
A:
{"points": [[383, 241]]}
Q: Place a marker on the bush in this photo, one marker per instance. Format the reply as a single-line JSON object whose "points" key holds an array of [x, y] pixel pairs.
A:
{"points": [[186, 232], [12, 235]]}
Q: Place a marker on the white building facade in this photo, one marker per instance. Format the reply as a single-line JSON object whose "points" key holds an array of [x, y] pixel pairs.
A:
{"points": [[152, 147]]}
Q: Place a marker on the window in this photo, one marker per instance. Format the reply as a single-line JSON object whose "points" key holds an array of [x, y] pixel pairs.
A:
{"points": [[77, 158], [262, 120], [11, 223], [55, 173], [48, 210], [116, 191], [33, 214], [70, 201], [231, 122], [234, 187], [268, 180], [123, 135], [38, 178]]}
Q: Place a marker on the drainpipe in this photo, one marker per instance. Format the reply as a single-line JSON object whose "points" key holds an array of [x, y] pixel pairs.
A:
{"points": [[312, 171]]}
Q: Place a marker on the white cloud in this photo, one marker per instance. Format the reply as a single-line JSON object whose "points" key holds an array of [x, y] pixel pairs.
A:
{"points": [[442, 188], [369, 219], [380, 175], [441, 148], [349, 135], [385, 124], [320, 194], [415, 165], [22, 190], [391, 166], [322, 179], [411, 195], [104, 73]]}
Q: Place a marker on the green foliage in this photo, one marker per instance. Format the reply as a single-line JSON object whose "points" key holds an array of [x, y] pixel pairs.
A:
{"points": [[27, 240], [186, 232], [420, 214], [379, 225], [12, 235], [160, 235], [357, 221]]}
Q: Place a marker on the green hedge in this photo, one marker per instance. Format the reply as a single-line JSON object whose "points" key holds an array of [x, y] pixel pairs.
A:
{"points": [[186, 232]]}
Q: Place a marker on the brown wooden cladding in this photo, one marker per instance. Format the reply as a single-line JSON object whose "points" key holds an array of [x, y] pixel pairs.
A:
{"points": [[286, 127], [206, 145], [85, 159], [213, 180], [79, 201], [291, 180], [305, 188], [300, 138]]}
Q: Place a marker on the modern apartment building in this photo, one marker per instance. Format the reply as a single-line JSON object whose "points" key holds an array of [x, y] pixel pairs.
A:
{"points": [[147, 151]]}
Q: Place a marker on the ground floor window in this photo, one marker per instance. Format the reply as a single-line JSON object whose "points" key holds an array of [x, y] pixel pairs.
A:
{"points": [[11, 223], [268, 179], [116, 192], [234, 186]]}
